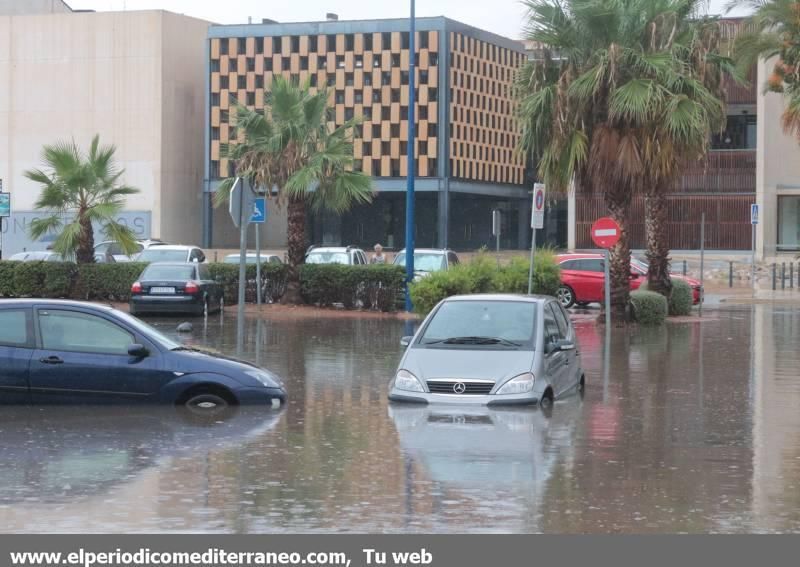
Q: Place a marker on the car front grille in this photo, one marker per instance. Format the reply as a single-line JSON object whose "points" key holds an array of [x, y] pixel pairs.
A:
{"points": [[450, 387]]}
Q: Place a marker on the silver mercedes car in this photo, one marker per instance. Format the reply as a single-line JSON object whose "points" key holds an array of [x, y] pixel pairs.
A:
{"points": [[490, 349]]}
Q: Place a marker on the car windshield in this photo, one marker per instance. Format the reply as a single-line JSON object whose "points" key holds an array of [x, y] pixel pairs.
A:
{"points": [[158, 254], [422, 262], [321, 257], [482, 323], [151, 333], [156, 272], [639, 265]]}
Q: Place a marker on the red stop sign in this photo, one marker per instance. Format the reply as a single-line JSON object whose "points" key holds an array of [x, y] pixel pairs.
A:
{"points": [[605, 232]]}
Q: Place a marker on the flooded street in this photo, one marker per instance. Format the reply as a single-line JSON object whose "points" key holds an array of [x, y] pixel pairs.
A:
{"points": [[694, 427]]}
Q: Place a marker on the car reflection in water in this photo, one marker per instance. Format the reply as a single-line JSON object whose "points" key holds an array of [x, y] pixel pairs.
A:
{"points": [[57, 454], [492, 453]]}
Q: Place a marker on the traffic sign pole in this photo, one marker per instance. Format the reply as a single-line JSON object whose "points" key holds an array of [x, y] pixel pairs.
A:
{"points": [[537, 222], [258, 263], [605, 234], [607, 270], [753, 223]]}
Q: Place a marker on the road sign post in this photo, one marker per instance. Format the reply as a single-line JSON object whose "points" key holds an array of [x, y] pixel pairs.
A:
{"points": [[605, 234], [537, 222], [258, 217], [496, 228], [753, 222]]}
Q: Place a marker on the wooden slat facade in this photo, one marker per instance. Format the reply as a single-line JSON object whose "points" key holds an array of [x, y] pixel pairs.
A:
{"points": [[724, 171]]}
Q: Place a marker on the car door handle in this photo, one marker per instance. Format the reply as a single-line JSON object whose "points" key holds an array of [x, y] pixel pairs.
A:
{"points": [[51, 360]]}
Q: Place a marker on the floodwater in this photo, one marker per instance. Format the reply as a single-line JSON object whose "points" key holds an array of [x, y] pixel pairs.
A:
{"points": [[691, 428]]}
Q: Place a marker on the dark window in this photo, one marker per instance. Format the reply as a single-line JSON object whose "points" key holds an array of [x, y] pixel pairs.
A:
{"points": [[403, 113], [385, 148], [376, 131], [214, 170], [242, 82], [80, 332], [403, 77], [359, 61], [215, 65], [433, 94], [349, 42], [331, 39], [268, 64], [368, 113], [312, 43], [224, 116], [304, 63], [432, 171], [339, 97], [215, 99], [403, 148], [295, 44], [322, 62], [358, 97], [433, 59], [331, 80], [368, 42], [423, 40], [376, 95], [251, 64], [241, 46], [386, 78], [739, 133], [349, 80], [348, 113], [423, 147], [405, 40], [224, 82], [340, 61], [251, 99], [395, 95], [16, 328], [368, 79], [223, 47], [233, 65], [423, 77], [386, 41], [276, 44], [376, 61], [259, 45], [386, 113], [395, 163], [215, 133], [313, 79], [395, 131], [395, 60], [432, 130], [423, 112]]}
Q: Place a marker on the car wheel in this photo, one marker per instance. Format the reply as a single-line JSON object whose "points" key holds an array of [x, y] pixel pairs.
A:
{"points": [[206, 403], [566, 296]]}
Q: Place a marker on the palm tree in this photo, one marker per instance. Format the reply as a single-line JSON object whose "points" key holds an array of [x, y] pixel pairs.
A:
{"points": [[605, 98], [78, 191], [775, 34], [292, 148]]}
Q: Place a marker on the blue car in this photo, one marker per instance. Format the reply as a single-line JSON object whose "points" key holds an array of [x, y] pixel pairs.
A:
{"points": [[70, 352]]}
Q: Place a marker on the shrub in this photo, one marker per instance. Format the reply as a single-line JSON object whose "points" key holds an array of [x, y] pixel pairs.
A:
{"points": [[681, 298], [59, 279], [7, 279], [29, 279], [107, 282], [483, 276], [371, 287], [649, 308]]}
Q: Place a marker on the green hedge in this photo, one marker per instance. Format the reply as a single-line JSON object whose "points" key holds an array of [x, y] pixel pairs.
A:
{"points": [[648, 307], [482, 275], [372, 287], [681, 298]]}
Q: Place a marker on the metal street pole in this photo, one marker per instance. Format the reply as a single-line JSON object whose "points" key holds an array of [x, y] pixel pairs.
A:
{"points": [[243, 218], [607, 270], [258, 263], [530, 270], [412, 99], [702, 257]]}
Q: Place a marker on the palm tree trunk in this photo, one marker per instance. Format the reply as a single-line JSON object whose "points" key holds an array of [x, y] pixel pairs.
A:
{"points": [[296, 234], [85, 252], [620, 265], [655, 207]]}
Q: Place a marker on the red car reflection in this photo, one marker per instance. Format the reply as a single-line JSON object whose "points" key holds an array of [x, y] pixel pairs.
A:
{"points": [[582, 279]]}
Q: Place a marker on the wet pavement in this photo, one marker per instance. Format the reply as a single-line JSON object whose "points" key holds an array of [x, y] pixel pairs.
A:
{"points": [[694, 427]]}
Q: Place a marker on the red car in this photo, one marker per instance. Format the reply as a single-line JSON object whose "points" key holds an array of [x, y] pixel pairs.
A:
{"points": [[582, 279]]}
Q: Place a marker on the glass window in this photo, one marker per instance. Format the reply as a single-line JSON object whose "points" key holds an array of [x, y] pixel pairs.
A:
{"points": [[739, 133], [561, 321], [327, 258], [551, 330], [789, 222], [79, 332], [509, 320], [158, 254], [569, 265], [423, 262], [15, 328], [594, 265], [162, 272]]}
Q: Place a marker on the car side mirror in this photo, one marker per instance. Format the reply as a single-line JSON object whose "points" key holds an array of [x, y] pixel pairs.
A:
{"points": [[405, 341], [138, 351], [565, 344]]}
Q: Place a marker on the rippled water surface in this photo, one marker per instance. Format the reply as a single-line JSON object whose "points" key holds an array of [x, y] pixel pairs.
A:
{"points": [[691, 428]]}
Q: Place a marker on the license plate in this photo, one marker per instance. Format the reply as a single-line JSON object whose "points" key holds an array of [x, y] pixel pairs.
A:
{"points": [[162, 290]]}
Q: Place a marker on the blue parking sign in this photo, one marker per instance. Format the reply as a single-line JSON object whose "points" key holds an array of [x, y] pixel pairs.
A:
{"points": [[754, 213], [259, 214]]}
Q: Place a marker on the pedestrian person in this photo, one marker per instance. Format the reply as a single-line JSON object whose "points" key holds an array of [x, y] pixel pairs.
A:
{"points": [[378, 257]]}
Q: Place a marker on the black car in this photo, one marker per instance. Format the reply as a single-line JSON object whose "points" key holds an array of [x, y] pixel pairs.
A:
{"points": [[166, 287], [56, 351]]}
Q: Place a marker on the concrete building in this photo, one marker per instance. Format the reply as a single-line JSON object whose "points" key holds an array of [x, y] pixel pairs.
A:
{"points": [[466, 133], [134, 78]]}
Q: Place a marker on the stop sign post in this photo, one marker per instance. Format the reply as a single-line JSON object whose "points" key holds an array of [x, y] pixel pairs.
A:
{"points": [[605, 234]]}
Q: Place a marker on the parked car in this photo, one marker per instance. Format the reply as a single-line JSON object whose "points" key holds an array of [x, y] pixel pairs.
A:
{"points": [[583, 279], [112, 251], [251, 258], [172, 253], [70, 352], [36, 256], [165, 287], [490, 349], [349, 255], [427, 260]]}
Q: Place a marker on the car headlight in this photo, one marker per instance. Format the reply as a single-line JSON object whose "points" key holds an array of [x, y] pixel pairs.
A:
{"points": [[518, 385], [267, 379], [404, 380]]}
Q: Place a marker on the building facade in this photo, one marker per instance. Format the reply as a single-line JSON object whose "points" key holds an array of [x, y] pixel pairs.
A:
{"points": [[466, 164], [134, 78]]}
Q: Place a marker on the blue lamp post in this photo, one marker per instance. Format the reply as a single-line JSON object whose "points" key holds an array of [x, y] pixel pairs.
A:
{"points": [[412, 99]]}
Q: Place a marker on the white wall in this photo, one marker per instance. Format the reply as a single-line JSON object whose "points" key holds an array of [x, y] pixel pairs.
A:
{"points": [[134, 78], [20, 7], [777, 165]]}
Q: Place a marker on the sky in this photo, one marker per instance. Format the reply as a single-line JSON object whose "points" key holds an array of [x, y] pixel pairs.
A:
{"points": [[503, 17]]}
